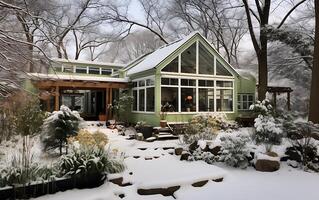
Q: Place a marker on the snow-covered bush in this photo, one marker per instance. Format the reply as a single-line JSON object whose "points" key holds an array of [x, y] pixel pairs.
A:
{"points": [[58, 127], [206, 127], [86, 162], [122, 106], [199, 154], [234, 151], [262, 108], [268, 131]]}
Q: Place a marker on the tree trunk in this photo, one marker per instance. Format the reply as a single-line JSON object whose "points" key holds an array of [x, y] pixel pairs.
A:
{"points": [[314, 93], [262, 67]]}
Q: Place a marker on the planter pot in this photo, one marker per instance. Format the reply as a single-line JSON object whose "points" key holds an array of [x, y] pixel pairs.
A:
{"points": [[147, 131], [163, 123], [188, 109], [102, 117]]}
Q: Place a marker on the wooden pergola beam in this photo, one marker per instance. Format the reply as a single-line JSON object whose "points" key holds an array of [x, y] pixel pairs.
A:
{"points": [[78, 84]]}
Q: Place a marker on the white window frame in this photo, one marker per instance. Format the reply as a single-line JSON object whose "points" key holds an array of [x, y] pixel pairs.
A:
{"points": [[138, 88], [197, 78], [241, 102]]}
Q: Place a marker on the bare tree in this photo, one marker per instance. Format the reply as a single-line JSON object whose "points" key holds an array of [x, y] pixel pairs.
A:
{"points": [[260, 44], [314, 93]]}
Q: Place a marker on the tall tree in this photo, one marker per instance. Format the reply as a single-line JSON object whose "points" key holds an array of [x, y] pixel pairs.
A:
{"points": [[260, 44], [314, 93]]}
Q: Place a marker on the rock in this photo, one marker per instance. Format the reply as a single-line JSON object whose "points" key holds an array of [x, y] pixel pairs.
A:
{"points": [[200, 183], [178, 151], [136, 157], [264, 165], [117, 181], [185, 156], [151, 139], [142, 149], [131, 173], [218, 180], [193, 146], [148, 158], [292, 163], [121, 196], [163, 191], [215, 150], [139, 136]]}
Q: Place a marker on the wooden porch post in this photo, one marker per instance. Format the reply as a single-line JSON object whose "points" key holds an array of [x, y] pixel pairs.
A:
{"points": [[57, 99], [48, 105], [288, 101], [275, 100], [107, 103], [110, 102]]}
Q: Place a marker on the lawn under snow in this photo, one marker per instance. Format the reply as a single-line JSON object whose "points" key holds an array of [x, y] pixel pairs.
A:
{"points": [[165, 170]]}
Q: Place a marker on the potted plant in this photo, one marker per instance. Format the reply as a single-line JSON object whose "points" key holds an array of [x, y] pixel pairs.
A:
{"points": [[145, 129], [163, 114], [102, 116]]}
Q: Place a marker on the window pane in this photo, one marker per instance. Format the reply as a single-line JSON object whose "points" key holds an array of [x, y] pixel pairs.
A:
{"points": [[172, 66], [224, 100], [135, 100], [80, 70], [244, 97], [250, 98], [206, 83], [68, 69], [224, 84], [150, 99], [94, 70], [206, 99], [188, 82], [141, 98], [206, 61], [170, 95], [221, 70], [141, 83], [169, 81], [149, 82], [188, 99], [188, 59], [134, 84], [106, 71]]}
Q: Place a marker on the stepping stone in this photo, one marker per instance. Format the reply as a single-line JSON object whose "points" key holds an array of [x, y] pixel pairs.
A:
{"points": [[166, 148], [148, 158], [136, 157], [151, 139], [143, 149], [218, 180], [156, 157], [200, 183], [163, 191]]}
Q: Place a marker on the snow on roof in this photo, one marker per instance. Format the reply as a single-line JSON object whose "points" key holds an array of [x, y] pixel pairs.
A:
{"points": [[155, 58], [69, 77], [115, 65]]}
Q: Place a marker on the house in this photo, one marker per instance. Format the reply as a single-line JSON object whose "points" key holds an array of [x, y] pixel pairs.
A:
{"points": [[188, 74]]}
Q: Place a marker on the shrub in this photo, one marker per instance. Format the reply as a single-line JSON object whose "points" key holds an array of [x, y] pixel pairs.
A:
{"points": [[87, 139], [122, 106], [85, 162], [268, 131], [262, 108], [205, 127], [234, 151], [58, 127], [199, 154]]}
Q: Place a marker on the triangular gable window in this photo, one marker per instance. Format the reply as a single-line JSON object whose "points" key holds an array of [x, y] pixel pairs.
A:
{"points": [[172, 66], [206, 61], [188, 60], [221, 70]]}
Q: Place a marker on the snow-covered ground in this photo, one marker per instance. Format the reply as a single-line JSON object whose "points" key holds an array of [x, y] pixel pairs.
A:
{"points": [[150, 165]]}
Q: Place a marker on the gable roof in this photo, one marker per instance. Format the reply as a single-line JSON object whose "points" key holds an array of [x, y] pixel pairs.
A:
{"points": [[154, 59]]}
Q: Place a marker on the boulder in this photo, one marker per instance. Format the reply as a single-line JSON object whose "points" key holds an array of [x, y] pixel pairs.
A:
{"points": [[192, 147], [215, 150], [185, 155], [139, 136], [267, 165], [178, 151]]}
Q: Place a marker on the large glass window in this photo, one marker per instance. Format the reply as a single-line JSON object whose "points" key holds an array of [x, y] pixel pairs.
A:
{"points": [[134, 100], [141, 98], [169, 81], [172, 66], [144, 95], [68, 69], [188, 99], [206, 99], [245, 101], [221, 70], [170, 95], [224, 100], [188, 60], [106, 71], [150, 97], [206, 61]]}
